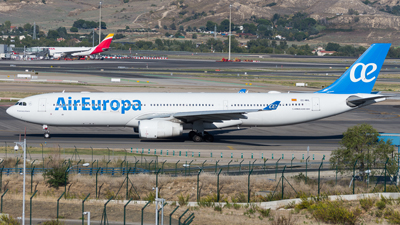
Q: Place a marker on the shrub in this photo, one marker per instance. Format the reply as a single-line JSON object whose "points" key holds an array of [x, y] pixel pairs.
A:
{"points": [[282, 220], [381, 204], [182, 200], [208, 201], [56, 176], [150, 197], [53, 222], [236, 206], [394, 218], [334, 212], [367, 203], [264, 212], [218, 208], [8, 220], [239, 198]]}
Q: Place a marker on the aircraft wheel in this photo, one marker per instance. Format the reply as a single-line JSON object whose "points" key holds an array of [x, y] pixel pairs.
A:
{"points": [[197, 138], [46, 135], [191, 134], [209, 138]]}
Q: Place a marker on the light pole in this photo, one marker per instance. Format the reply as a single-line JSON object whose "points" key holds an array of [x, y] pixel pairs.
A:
{"points": [[100, 25], [230, 20], [16, 148]]}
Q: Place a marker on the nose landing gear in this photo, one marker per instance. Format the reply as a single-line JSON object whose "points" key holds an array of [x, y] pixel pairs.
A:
{"points": [[46, 132]]}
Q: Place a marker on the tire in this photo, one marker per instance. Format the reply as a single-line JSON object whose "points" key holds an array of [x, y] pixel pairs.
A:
{"points": [[197, 138], [46, 135], [208, 138], [191, 134]]}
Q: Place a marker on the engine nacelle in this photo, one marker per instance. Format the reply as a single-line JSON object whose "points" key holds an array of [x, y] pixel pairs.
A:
{"points": [[159, 129]]}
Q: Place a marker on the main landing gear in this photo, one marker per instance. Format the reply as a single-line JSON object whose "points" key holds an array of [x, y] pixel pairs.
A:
{"points": [[46, 132], [199, 137]]}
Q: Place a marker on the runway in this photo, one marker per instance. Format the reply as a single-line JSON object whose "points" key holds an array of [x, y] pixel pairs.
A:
{"points": [[321, 135]]}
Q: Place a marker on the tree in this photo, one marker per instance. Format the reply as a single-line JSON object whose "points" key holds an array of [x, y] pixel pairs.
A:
{"points": [[56, 176], [210, 25], [172, 26], [73, 29], [52, 34], [194, 36], [332, 46], [7, 25], [360, 143]]}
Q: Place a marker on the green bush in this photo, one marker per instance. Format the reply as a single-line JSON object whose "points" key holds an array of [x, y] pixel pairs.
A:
{"points": [[8, 220], [182, 200], [394, 218], [56, 176], [208, 201], [150, 197], [236, 206], [264, 212], [334, 212], [52, 222], [367, 203], [218, 208], [381, 204]]}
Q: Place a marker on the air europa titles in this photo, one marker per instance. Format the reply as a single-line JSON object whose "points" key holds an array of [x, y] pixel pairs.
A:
{"points": [[86, 104]]}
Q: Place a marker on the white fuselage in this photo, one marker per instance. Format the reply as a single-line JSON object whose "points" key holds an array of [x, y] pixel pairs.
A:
{"points": [[123, 109]]}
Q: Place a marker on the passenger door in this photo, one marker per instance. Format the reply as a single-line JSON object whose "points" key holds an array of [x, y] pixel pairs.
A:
{"points": [[315, 104]]}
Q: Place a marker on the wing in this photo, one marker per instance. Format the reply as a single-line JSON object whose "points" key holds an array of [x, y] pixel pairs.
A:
{"points": [[209, 116], [354, 101]]}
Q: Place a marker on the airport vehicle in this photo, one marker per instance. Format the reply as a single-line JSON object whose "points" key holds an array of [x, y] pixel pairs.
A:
{"points": [[59, 52], [163, 115]]}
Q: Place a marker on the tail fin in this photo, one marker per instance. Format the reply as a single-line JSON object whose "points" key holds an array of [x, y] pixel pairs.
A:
{"points": [[104, 45], [361, 76]]}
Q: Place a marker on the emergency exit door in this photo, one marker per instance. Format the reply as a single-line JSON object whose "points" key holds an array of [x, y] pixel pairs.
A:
{"points": [[42, 105], [315, 104]]}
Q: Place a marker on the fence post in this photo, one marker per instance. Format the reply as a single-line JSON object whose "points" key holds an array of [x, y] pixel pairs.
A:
{"points": [[182, 216], [276, 168], [228, 165], [107, 165], [198, 181], [65, 181], [216, 165], [32, 173], [385, 174], [141, 219], [248, 186], [190, 217], [58, 204], [125, 210], [307, 168], [30, 211], [105, 211], [170, 215], [319, 171], [291, 164], [283, 177], [1, 210], [176, 168], [162, 167], [240, 165], [202, 165], [1, 178], [156, 177], [220, 170], [97, 172], [354, 175], [189, 166], [83, 209], [127, 183], [265, 160]]}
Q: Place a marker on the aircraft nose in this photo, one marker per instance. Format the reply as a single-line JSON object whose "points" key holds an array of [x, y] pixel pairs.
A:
{"points": [[10, 111]]}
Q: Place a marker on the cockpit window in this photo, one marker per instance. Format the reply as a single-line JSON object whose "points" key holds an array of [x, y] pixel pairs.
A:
{"points": [[21, 103]]}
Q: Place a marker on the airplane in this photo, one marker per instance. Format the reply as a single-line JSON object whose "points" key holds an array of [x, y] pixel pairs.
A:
{"points": [[58, 52], [164, 115]]}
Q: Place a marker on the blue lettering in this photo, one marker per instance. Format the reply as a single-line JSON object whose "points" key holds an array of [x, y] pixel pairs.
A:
{"points": [[84, 103], [105, 104], [60, 104], [126, 106], [114, 104], [96, 107], [69, 103], [137, 105]]}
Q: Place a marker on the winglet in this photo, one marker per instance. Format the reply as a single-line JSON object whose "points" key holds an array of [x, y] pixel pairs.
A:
{"points": [[243, 91], [272, 106]]}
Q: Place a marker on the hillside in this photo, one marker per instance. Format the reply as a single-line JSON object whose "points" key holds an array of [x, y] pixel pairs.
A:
{"points": [[50, 14]]}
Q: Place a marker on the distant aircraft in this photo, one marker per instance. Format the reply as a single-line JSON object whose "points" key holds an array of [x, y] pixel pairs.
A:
{"points": [[162, 115], [58, 52]]}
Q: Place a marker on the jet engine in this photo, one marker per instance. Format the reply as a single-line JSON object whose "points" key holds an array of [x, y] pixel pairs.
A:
{"points": [[159, 129]]}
